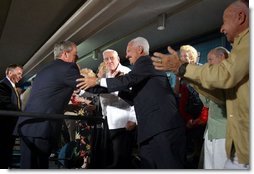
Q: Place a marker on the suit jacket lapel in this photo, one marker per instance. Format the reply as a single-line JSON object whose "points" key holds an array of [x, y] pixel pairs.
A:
{"points": [[18, 101]]}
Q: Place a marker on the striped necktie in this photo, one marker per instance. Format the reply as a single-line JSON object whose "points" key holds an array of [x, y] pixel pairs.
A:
{"points": [[17, 94]]}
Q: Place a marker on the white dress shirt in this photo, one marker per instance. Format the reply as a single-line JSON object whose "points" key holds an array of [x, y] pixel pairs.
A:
{"points": [[118, 111]]}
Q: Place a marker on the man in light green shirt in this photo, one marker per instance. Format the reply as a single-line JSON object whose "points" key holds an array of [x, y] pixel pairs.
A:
{"points": [[214, 137]]}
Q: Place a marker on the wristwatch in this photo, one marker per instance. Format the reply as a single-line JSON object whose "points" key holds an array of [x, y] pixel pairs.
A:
{"points": [[182, 70], [98, 81]]}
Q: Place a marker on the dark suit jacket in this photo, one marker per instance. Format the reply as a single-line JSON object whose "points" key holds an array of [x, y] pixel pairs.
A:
{"points": [[51, 92], [9, 102], [8, 97], [152, 96]]}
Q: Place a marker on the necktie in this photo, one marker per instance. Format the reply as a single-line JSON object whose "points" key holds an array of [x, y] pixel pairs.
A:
{"points": [[17, 94]]}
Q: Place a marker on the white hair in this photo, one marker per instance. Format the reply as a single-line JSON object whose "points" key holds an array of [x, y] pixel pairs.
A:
{"points": [[110, 50], [141, 42]]}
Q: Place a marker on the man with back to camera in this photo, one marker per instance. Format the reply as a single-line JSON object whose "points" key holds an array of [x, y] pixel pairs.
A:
{"points": [[161, 133], [9, 101], [231, 75], [51, 92]]}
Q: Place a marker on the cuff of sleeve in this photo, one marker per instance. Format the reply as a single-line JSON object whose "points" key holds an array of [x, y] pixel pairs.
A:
{"points": [[182, 69], [103, 82]]}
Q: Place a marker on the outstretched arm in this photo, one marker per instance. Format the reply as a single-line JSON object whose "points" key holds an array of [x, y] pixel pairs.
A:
{"points": [[87, 82], [167, 62], [225, 75]]}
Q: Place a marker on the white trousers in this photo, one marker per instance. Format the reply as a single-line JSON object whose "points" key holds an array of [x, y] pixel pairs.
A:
{"points": [[215, 155], [234, 164]]}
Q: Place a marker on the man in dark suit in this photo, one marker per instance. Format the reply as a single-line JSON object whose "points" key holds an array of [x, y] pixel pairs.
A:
{"points": [[51, 92], [10, 101], [161, 133]]}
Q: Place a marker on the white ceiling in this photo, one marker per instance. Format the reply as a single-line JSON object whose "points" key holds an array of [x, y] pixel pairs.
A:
{"points": [[186, 19], [32, 27]]}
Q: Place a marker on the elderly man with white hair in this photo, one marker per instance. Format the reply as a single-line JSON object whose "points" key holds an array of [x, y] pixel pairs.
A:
{"points": [[161, 134]]}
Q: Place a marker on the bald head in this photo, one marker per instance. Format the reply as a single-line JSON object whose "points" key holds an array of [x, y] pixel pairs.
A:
{"points": [[246, 2], [235, 19]]}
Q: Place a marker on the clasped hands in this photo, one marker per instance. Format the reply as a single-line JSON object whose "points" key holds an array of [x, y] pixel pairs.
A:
{"points": [[167, 62], [89, 82]]}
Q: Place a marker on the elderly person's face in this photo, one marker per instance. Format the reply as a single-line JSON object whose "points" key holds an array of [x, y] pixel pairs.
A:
{"points": [[133, 53], [212, 58], [187, 56], [230, 24], [184, 56], [111, 60]]}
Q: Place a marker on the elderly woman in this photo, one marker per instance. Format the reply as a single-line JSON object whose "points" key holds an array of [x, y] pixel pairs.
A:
{"points": [[191, 109]]}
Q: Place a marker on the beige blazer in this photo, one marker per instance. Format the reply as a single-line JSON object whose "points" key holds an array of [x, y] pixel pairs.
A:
{"points": [[231, 76]]}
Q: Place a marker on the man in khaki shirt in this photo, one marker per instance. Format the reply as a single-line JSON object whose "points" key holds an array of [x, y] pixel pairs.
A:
{"points": [[231, 76]]}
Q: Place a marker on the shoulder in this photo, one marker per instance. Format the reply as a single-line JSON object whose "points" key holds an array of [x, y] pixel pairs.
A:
{"points": [[59, 66], [5, 82], [124, 69], [61, 63], [5, 87], [143, 60]]}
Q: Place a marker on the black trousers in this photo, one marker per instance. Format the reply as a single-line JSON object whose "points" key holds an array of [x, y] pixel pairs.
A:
{"points": [[112, 149], [35, 153], [6, 148], [166, 150], [7, 126], [122, 143]]}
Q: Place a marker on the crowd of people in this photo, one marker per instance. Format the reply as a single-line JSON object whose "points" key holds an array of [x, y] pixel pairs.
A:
{"points": [[202, 123], [226, 82]]}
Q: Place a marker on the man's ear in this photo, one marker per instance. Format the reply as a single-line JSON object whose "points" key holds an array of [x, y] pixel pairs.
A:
{"points": [[242, 17], [66, 54], [140, 50]]}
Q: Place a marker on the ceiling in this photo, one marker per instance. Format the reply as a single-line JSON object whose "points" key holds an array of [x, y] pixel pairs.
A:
{"points": [[29, 28]]}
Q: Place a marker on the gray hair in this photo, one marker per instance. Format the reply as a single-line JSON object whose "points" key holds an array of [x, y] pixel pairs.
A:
{"points": [[221, 51], [141, 42], [11, 67], [110, 50], [62, 46]]}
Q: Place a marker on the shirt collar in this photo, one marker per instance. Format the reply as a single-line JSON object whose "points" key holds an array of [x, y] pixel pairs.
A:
{"points": [[12, 84], [117, 69], [238, 39]]}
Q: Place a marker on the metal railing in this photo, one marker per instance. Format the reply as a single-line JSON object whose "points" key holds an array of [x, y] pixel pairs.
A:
{"points": [[90, 119]]}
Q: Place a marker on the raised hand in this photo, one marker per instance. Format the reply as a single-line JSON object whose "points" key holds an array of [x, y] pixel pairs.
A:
{"points": [[167, 62]]}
